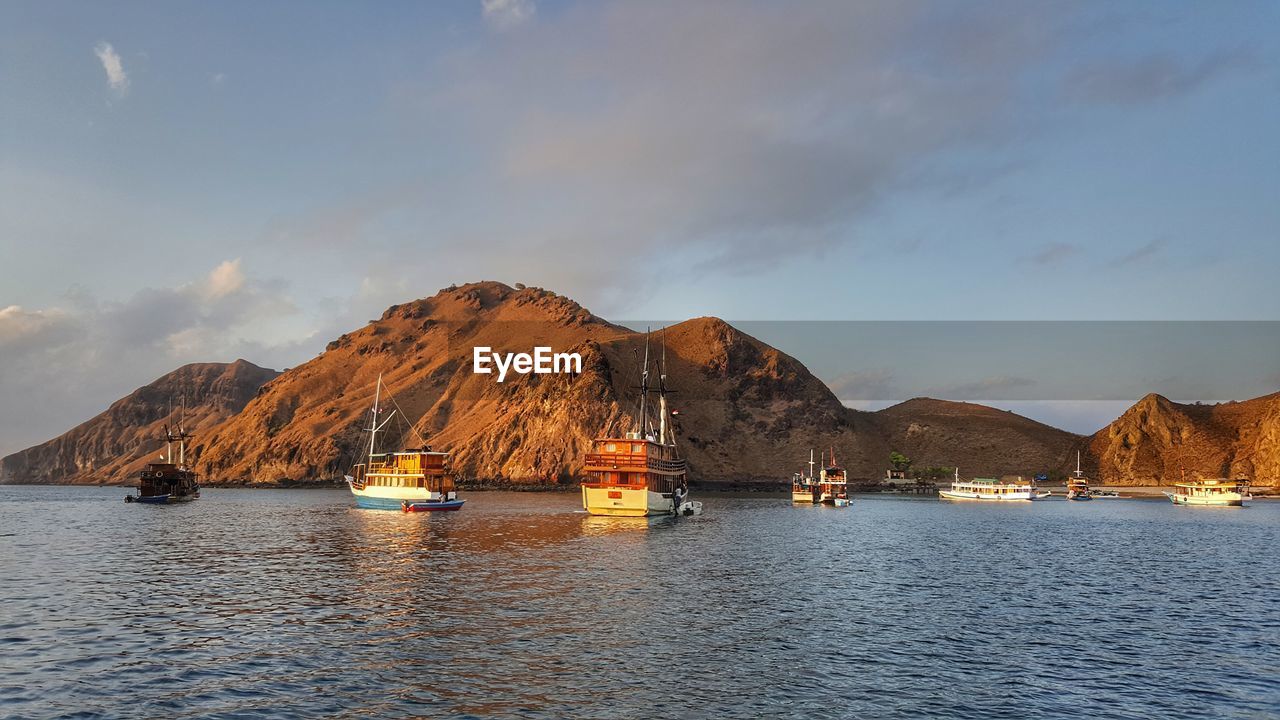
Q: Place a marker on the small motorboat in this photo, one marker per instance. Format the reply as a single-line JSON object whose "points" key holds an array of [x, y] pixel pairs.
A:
{"points": [[148, 499], [690, 507], [431, 506]]}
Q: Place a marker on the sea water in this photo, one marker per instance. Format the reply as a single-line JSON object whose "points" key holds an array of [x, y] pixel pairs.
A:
{"points": [[292, 602]]}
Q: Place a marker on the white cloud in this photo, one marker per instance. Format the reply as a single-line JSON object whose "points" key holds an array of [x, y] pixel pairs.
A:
{"points": [[117, 78], [217, 79], [225, 279], [64, 364], [506, 14]]}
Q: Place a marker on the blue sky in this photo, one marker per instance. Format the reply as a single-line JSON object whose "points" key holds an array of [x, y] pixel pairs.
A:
{"points": [[201, 181]]}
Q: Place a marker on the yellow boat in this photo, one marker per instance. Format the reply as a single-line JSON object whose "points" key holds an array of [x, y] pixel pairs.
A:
{"points": [[804, 488], [640, 473]]}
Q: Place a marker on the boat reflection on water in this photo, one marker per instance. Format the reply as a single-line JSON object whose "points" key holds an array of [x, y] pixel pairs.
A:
{"points": [[600, 525]]}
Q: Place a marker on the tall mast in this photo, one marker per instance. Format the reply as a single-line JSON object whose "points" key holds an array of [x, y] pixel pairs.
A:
{"points": [[168, 436], [810, 463], [373, 424], [644, 390], [182, 433], [662, 391], [1078, 473]]}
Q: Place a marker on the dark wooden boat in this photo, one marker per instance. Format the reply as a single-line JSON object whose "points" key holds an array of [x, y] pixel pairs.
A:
{"points": [[168, 482]]}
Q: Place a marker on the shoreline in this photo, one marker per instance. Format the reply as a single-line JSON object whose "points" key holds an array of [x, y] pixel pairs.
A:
{"points": [[728, 488]]}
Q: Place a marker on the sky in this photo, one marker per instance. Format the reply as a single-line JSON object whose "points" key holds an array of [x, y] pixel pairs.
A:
{"points": [[187, 181]]}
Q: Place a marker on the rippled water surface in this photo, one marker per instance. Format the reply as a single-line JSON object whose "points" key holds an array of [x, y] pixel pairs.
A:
{"points": [[292, 602]]}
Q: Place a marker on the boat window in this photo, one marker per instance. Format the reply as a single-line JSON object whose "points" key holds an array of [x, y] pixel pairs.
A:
{"points": [[637, 448], [611, 447]]}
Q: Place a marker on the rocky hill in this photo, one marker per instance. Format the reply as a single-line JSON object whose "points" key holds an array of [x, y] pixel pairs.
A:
{"points": [[742, 405], [1154, 441], [747, 412], [980, 440], [114, 446]]}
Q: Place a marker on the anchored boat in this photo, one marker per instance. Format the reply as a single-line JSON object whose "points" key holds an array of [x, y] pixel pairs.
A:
{"points": [[641, 473], [833, 486], [804, 488], [168, 482], [991, 489], [1078, 484], [1220, 493], [415, 480]]}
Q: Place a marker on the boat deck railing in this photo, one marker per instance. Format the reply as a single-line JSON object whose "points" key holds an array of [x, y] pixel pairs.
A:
{"points": [[636, 462]]}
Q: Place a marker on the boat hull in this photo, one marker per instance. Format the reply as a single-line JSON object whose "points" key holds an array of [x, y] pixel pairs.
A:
{"points": [[625, 502], [803, 497], [373, 497], [1227, 500]]}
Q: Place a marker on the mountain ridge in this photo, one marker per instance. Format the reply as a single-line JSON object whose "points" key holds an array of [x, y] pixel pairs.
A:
{"points": [[116, 443], [748, 412]]}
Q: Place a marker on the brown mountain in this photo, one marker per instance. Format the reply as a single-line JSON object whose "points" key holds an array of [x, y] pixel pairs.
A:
{"points": [[740, 401], [1154, 441], [980, 440], [114, 446], [746, 410]]}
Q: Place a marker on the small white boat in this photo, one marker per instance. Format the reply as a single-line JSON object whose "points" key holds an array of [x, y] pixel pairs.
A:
{"points": [[991, 489], [1219, 493]]}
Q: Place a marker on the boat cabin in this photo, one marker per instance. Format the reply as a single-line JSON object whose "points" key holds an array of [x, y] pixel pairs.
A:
{"points": [[167, 479], [1210, 492], [992, 486], [635, 463], [422, 468]]}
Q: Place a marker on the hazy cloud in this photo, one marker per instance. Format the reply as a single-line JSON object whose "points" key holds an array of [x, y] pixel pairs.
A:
{"points": [[863, 385], [1052, 254], [506, 14], [1143, 253], [1000, 387], [117, 78], [1151, 78]]}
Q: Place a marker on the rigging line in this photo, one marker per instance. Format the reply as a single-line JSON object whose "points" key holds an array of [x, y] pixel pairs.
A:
{"points": [[403, 414]]}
